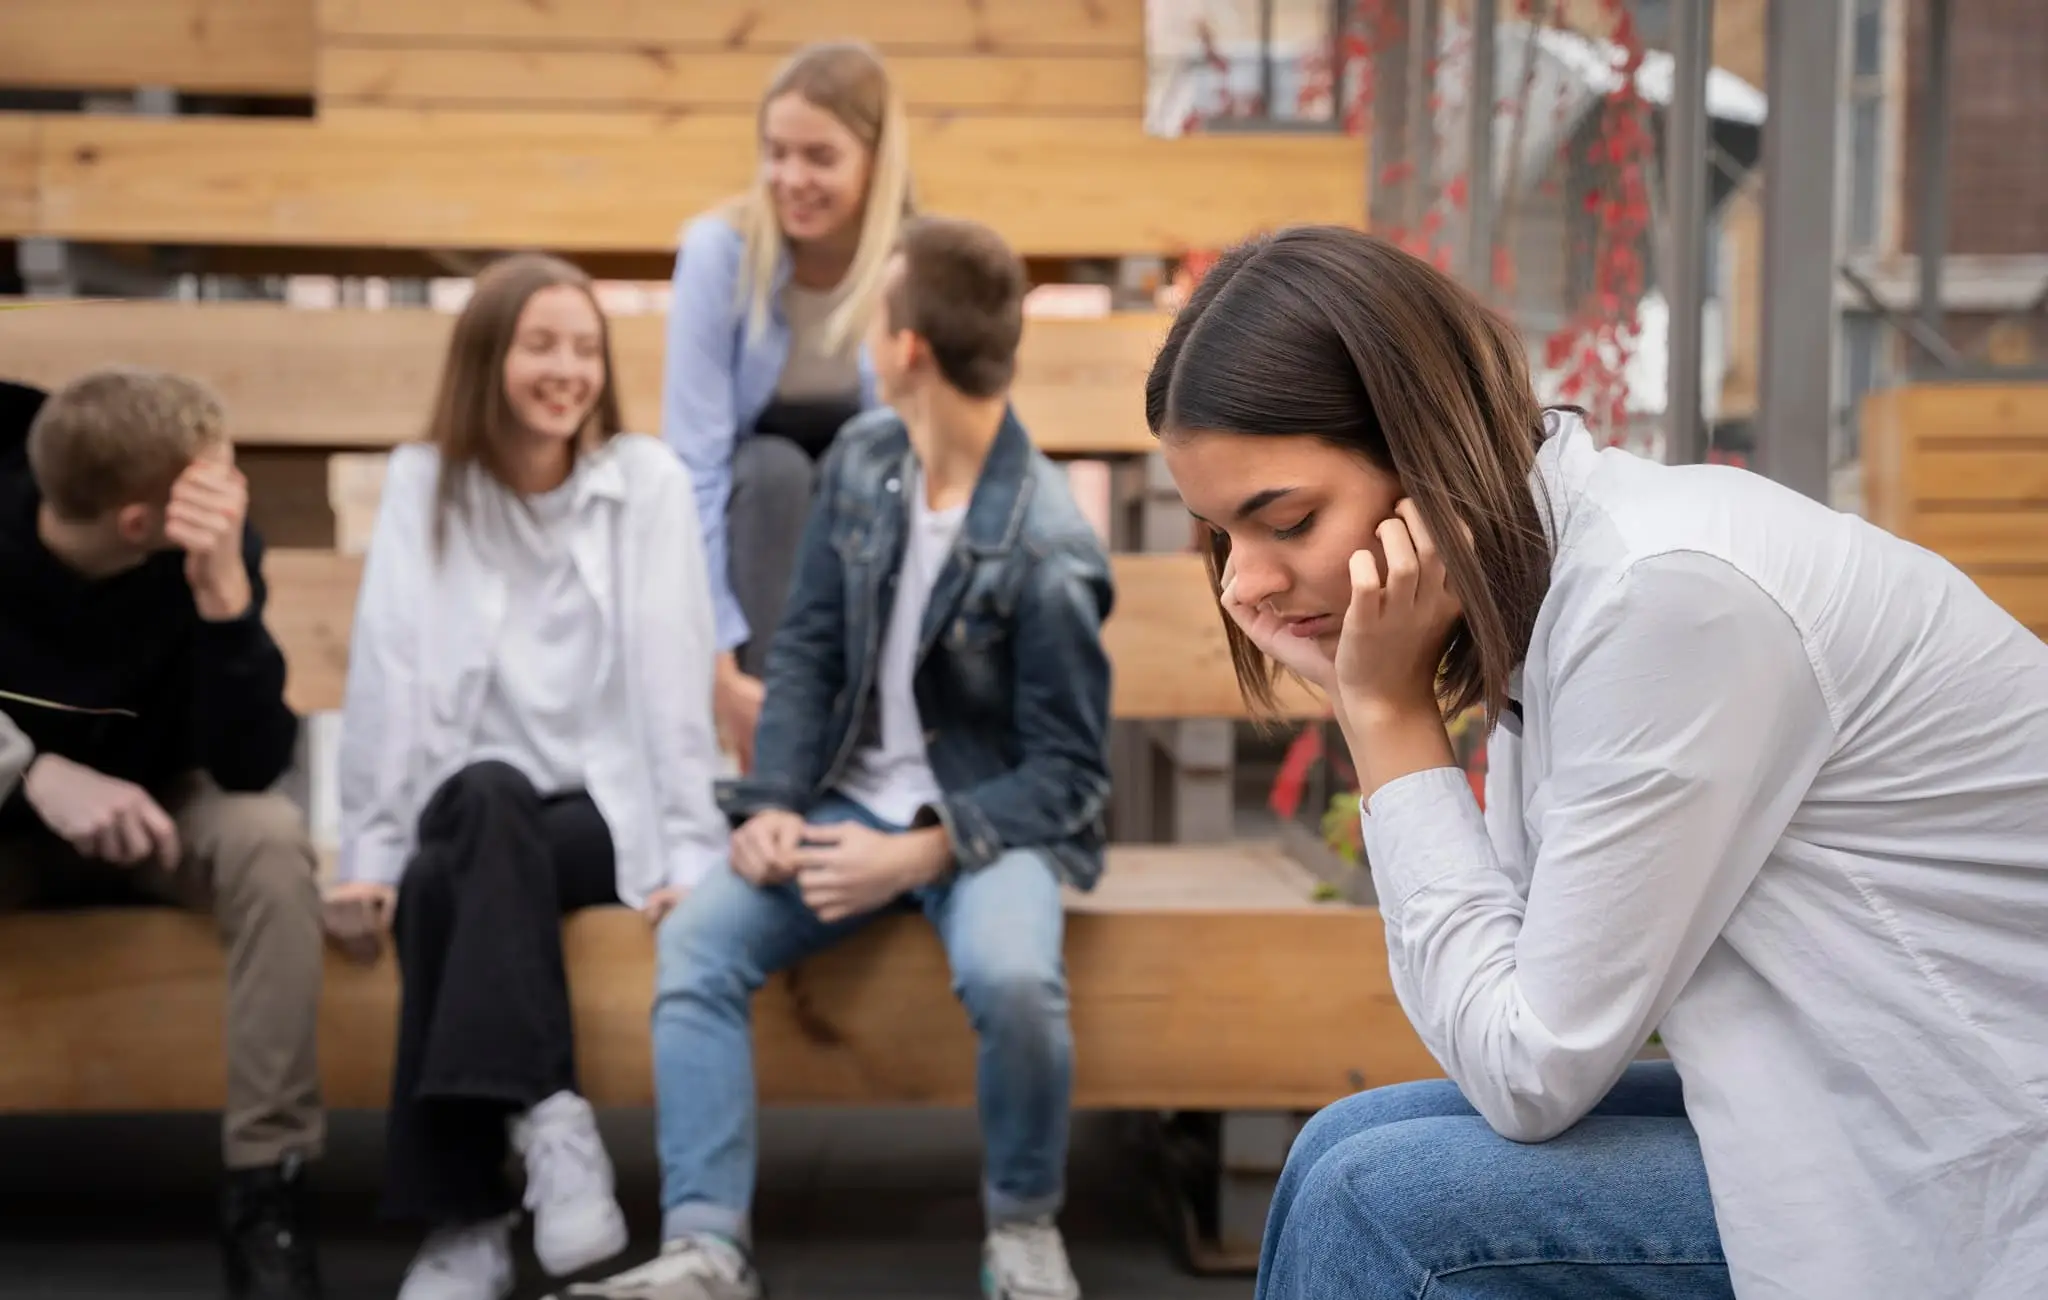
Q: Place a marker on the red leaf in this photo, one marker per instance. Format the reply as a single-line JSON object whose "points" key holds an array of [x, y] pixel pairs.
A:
{"points": [[1295, 765]]}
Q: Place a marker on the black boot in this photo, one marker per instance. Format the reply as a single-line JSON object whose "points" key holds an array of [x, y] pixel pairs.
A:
{"points": [[267, 1234]]}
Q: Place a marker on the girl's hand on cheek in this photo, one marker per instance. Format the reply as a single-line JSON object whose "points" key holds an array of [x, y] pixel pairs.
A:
{"points": [[1400, 620], [1303, 656]]}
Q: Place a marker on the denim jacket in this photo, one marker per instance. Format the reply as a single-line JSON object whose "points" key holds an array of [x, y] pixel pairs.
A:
{"points": [[1012, 681], [716, 379]]}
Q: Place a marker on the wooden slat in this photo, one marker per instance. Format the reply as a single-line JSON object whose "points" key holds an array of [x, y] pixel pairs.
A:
{"points": [[1883, 430], [1165, 637], [1102, 26], [1941, 477], [1219, 996], [245, 46], [365, 379], [1937, 413], [620, 182], [661, 77], [20, 157]]}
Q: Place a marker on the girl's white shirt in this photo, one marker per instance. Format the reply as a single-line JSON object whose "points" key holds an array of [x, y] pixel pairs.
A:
{"points": [[1779, 788], [428, 661]]}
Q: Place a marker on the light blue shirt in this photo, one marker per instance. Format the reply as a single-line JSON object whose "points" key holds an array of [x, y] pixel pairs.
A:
{"points": [[716, 381]]}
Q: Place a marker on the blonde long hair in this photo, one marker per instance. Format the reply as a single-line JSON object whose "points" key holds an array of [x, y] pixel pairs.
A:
{"points": [[847, 80]]}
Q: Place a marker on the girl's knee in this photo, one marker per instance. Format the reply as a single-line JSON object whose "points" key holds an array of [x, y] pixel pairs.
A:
{"points": [[770, 467], [1372, 1109]]}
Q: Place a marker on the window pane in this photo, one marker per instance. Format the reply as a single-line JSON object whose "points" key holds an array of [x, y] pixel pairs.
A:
{"points": [[1864, 162], [1862, 345], [1300, 59], [1869, 37]]}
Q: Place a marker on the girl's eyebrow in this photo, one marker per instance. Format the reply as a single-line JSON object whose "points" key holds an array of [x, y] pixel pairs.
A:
{"points": [[1254, 503]]}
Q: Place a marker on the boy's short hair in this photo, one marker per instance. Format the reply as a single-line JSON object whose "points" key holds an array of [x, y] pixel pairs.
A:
{"points": [[120, 435], [962, 292]]}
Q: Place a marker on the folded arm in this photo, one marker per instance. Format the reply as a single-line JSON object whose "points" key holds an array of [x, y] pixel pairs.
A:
{"points": [[1683, 737], [698, 419], [675, 610], [1060, 783], [379, 718], [246, 732]]}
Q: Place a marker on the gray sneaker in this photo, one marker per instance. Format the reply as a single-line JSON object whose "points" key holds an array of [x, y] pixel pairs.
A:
{"points": [[1027, 1261], [688, 1268]]}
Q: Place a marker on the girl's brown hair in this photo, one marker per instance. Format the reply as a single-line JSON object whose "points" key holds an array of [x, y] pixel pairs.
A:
{"points": [[473, 422], [1330, 333]]}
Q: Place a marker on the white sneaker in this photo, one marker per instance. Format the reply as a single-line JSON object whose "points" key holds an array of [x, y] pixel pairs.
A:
{"points": [[688, 1268], [576, 1217], [473, 1262], [1027, 1261]]}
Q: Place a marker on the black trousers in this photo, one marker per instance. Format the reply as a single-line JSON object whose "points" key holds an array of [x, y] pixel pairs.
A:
{"points": [[483, 1025]]}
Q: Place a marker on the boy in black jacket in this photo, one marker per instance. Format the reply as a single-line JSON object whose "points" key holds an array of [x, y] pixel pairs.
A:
{"points": [[134, 661]]}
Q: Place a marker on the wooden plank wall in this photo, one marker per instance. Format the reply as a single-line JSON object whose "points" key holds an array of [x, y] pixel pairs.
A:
{"points": [[1962, 469], [602, 125], [259, 47], [20, 147], [365, 379], [1027, 57]]}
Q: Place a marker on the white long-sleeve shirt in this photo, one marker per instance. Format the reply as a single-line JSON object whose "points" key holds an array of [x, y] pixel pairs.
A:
{"points": [[426, 648], [1779, 787]]}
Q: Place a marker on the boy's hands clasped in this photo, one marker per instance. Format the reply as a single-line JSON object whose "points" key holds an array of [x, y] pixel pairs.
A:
{"points": [[842, 869]]}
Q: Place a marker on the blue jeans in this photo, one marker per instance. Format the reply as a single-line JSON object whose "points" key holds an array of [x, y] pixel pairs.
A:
{"points": [[1001, 927], [1405, 1192]]}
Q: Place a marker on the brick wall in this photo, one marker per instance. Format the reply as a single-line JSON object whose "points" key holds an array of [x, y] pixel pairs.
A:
{"points": [[1998, 133]]}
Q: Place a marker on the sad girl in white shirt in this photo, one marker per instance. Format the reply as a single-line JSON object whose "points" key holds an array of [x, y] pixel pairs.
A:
{"points": [[1762, 776]]}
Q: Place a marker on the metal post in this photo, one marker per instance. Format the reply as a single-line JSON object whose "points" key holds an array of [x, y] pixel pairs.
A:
{"points": [[1795, 407], [1692, 46], [1266, 61], [1479, 145], [1419, 118], [1394, 69], [1931, 221]]}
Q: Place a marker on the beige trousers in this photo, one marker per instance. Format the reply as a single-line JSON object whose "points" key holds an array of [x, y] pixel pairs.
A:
{"points": [[248, 859]]}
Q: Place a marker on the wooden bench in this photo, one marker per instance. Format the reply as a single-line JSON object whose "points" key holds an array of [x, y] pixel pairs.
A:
{"points": [[1203, 978], [1962, 469]]}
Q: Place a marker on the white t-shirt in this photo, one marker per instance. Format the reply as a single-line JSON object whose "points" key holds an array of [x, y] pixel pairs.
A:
{"points": [[551, 643], [893, 778]]}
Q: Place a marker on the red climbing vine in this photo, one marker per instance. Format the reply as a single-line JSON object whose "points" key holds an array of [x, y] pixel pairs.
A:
{"points": [[1587, 358]]}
